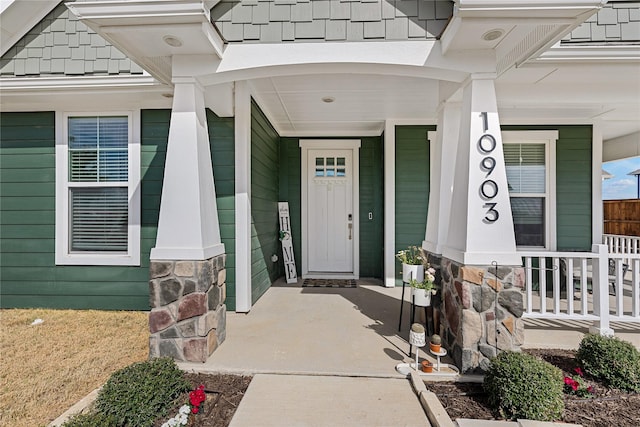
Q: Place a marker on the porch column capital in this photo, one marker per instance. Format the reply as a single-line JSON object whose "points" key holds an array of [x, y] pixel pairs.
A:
{"points": [[481, 225], [188, 226]]}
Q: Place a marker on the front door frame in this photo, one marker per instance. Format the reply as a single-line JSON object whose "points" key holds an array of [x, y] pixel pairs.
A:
{"points": [[330, 144]]}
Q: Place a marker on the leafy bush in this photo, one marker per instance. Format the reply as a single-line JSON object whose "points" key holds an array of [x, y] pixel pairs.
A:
{"points": [[522, 386], [142, 392], [608, 359], [90, 419]]}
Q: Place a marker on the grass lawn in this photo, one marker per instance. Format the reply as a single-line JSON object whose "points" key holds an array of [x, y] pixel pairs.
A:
{"points": [[46, 368]]}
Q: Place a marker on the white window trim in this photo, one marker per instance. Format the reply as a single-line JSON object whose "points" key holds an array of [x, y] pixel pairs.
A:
{"points": [[63, 255], [549, 139]]}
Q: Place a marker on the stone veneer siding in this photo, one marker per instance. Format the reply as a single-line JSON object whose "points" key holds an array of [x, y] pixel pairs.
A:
{"points": [[480, 311], [188, 314]]}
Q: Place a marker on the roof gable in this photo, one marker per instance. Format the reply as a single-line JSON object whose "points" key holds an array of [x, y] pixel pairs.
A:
{"points": [[61, 45]]}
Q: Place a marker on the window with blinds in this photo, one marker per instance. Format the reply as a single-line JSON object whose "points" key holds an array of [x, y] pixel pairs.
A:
{"points": [[526, 177], [98, 183]]}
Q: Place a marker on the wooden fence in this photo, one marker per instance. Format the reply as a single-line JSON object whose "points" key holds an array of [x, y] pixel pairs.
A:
{"points": [[622, 217]]}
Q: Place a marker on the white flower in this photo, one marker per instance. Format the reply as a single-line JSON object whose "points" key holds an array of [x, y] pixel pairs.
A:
{"points": [[184, 409], [431, 270]]}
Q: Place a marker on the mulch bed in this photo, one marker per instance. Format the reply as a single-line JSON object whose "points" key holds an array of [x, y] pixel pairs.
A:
{"points": [[223, 392], [607, 408]]}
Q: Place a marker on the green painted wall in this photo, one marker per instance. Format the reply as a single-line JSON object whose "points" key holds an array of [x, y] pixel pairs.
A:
{"points": [[28, 272], [29, 275], [573, 185], [264, 203], [222, 146], [412, 186], [371, 200], [290, 191]]}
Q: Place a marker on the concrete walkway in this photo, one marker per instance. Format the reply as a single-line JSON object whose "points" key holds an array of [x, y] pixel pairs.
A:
{"points": [[297, 400]]}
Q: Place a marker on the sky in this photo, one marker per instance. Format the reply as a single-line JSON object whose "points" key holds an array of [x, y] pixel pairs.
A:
{"points": [[622, 185]]}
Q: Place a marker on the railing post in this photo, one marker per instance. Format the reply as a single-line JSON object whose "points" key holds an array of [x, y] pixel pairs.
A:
{"points": [[600, 285]]}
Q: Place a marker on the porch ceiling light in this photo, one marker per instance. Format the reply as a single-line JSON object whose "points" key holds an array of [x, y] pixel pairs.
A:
{"points": [[172, 41], [328, 99], [494, 34]]}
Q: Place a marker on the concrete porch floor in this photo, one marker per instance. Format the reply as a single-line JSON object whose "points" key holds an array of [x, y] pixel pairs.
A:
{"points": [[317, 331], [346, 332]]}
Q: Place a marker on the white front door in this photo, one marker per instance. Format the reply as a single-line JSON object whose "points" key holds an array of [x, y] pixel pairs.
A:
{"points": [[330, 217]]}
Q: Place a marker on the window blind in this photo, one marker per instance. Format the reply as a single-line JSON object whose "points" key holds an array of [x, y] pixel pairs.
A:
{"points": [[98, 149], [525, 164], [99, 219]]}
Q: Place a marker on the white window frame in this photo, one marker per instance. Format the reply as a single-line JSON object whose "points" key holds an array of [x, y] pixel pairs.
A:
{"points": [[63, 255], [549, 139]]}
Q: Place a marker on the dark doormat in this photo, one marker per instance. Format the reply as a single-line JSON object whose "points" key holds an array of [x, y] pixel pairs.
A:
{"points": [[329, 283]]}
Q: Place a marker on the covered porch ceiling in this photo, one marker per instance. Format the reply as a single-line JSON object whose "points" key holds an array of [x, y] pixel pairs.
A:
{"points": [[369, 83]]}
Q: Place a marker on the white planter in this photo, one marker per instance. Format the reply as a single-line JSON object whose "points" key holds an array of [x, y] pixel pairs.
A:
{"points": [[421, 297], [412, 272]]}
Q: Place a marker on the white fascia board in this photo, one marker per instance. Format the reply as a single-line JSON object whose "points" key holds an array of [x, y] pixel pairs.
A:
{"points": [[173, 10], [20, 16], [590, 53], [14, 84], [403, 58], [533, 8]]}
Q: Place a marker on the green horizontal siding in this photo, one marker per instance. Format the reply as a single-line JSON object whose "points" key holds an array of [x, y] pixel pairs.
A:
{"points": [[265, 143], [290, 191], [412, 186], [30, 277], [222, 142], [371, 200]]}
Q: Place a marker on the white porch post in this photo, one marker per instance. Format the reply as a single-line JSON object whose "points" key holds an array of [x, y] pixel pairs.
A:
{"points": [[389, 204], [243, 196], [481, 225], [600, 277], [188, 226], [443, 153], [597, 220]]}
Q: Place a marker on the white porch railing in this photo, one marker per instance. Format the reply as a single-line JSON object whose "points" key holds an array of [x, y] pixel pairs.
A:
{"points": [[622, 244], [597, 286]]}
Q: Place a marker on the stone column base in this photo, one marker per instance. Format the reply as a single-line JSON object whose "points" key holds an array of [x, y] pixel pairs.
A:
{"points": [[481, 311], [188, 315]]}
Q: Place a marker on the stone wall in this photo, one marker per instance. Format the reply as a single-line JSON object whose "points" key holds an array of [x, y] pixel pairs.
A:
{"points": [[480, 311], [188, 314]]}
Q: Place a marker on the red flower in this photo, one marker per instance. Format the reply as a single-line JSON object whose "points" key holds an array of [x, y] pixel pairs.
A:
{"points": [[579, 372], [194, 410], [574, 386], [568, 380], [590, 389]]}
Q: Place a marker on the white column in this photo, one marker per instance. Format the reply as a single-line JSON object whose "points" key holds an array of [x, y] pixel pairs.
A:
{"points": [[389, 204], [242, 129], [443, 146], [481, 225], [188, 227], [596, 193], [600, 278]]}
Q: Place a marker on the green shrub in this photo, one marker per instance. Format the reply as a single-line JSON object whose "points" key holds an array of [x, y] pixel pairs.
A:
{"points": [[521, 386], [614, 362], [90, 419], [142, 392]]}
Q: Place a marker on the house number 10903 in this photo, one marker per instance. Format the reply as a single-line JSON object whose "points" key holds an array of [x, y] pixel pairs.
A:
{"points": [[489, 188]]}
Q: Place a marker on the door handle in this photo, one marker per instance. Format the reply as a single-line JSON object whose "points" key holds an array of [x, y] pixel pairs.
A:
{"points": [[350, 228]]}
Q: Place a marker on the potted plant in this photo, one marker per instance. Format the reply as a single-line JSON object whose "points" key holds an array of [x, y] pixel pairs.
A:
{"points": [[427, 366], [412, 268], [423, 290], [435, 343]]}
